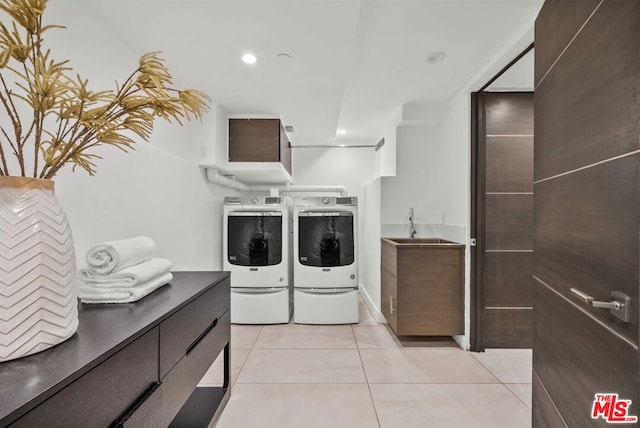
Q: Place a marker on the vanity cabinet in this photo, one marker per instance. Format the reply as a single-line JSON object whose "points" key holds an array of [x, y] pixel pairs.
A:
{"points": [[422, 290], [259, 140], [129, 365]]}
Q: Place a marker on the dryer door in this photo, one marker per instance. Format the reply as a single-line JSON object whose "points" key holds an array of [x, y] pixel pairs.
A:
{"points": [[325, 239], [254, 238]]}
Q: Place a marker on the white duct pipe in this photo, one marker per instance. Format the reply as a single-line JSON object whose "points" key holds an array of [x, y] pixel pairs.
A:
{"points": [[300, 188], [214, 176]]}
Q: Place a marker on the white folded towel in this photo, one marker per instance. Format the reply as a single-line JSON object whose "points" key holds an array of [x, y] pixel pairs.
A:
{"points": [[116, 255], [93, 295], [127, 277]]}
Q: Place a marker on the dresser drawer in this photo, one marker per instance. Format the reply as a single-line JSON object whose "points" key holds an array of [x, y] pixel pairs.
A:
{"points": [[104, 393], [184, 377], [148, 414], [183, 328]]}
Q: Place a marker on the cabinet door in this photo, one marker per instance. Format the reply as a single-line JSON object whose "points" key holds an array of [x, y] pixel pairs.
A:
{"points": [[285, 149], [181, 381], [389, 298], [254, 140], [183, 328], [431, 295]]}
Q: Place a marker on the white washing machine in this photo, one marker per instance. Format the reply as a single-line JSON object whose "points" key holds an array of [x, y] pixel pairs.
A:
{"points": [[325, 253], [256, 249]]}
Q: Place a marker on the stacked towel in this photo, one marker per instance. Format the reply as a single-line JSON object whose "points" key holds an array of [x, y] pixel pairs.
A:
{"points": [[122, 271], [115, 255]]}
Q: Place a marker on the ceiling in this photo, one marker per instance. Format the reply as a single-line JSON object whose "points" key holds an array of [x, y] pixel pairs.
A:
{"points": [[518, 77], [353, 63]]}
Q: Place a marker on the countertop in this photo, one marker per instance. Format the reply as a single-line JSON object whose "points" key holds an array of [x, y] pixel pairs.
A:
{"points": [[103, 330], [421, 242]]}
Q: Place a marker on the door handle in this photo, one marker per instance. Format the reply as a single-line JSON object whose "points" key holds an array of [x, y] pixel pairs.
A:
{"points": [[620, 304], [391, 308]]}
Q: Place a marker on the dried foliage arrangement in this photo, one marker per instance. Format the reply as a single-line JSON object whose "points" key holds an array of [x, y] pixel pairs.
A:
{"points": [[69, 120]]}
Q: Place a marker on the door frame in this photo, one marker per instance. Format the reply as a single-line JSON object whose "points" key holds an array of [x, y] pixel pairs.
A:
{"points": [[477, 205], [478, 173]]}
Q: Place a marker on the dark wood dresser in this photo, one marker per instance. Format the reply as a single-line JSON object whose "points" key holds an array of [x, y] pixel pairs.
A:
{"points": [[133, 365]]}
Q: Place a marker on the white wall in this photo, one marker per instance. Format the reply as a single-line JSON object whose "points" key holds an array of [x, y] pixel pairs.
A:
{"points": [[156, 190], [455, 197], [152, 192], [386, 156], [370, 255], [417, 182], [351, 167]]}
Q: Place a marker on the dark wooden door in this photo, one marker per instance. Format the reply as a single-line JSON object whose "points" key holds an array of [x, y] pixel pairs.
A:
{"points": [[505, 238], [587, 209]]}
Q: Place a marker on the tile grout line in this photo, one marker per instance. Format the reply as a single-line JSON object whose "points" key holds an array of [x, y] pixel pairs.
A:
{"points": [[516, 395], [372, 401], [366, 378], [246, 359], [505, 384], [488, 369]]}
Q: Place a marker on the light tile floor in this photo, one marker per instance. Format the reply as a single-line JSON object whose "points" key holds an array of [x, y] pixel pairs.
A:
{"points": [[363, 376]]}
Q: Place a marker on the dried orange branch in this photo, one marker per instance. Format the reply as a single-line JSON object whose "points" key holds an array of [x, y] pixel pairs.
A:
{"points": [[83, 119]]}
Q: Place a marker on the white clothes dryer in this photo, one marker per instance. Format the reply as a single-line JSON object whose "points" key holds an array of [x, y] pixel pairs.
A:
{"points": [[256, 250], [325, 253]]}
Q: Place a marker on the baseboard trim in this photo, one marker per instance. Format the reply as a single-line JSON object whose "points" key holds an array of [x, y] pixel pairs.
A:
{"points": [[372, 307]]}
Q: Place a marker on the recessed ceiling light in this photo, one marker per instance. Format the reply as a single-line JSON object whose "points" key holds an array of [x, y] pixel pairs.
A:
{"points": [[342, 132], [249, 58], [434, 57], [283, 58]]}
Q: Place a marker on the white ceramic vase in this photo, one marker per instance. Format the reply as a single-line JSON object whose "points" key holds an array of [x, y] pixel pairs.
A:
{"points": [[38, 307]]}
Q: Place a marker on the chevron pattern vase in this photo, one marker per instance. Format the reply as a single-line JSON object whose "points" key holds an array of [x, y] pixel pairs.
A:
{"points": [[38, 307]]}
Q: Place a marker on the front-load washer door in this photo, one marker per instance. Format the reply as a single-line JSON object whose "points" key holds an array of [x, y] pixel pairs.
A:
{"points": [[255, 238], [255, 252], [326, 239]]}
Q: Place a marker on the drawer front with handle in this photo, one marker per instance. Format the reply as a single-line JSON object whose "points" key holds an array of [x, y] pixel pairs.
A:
{"points": [[104, 393], [184, 377], [183, 328], [144, 413]]}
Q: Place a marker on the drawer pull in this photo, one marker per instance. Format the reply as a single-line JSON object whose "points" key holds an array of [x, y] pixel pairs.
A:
{"points": [[119, 423], [202, 335]]}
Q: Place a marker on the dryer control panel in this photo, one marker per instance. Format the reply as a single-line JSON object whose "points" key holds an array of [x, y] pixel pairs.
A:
{"points": [[255, 200], [327, 201]]}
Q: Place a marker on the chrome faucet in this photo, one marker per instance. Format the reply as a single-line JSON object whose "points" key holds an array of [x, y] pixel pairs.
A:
{"points": [[412, 228]]}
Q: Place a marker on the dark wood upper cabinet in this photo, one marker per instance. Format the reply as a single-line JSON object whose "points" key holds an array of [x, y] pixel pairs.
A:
{"points": [[259, 140]]}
